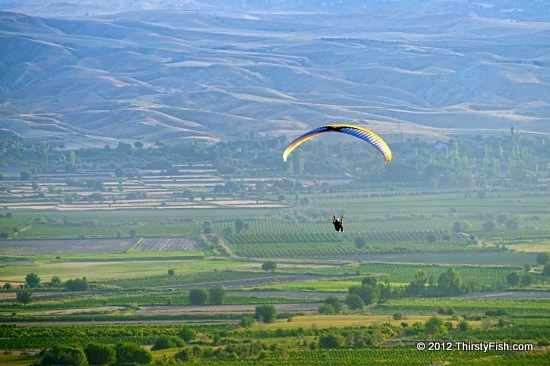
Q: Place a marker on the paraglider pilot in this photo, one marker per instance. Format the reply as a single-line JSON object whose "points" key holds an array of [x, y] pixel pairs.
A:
{"points": [[338, 224]]}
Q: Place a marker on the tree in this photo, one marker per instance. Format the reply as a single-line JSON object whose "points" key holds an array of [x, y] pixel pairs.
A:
{"points": [[265, 313], [166, 342], [334, 302], [513, 278], [543, 258], [528, 279], [216, 295], [449, 283], [64, 355], [546, 270], [435, 326], [77, 284], [369, 281], [417, 287], [457, 227], [32, 280], [171, 272], [367, 293], [325, 308], [100, 354], [55, 281], [269, 266], [24, 296], [187, 333], [246, 321], [463, 326], [354, 302], [132, 353], [331, 341], [198, 296]]}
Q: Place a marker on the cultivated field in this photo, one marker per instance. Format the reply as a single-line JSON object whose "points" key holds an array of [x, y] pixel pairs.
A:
{"points": [[126, 256]]}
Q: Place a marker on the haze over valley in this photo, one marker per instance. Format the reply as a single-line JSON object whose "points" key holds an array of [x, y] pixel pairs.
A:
{"points": [[89, 75]]}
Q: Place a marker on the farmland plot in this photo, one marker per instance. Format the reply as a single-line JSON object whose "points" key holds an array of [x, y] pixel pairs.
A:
{"points": [[65, 246], [167, 245]]}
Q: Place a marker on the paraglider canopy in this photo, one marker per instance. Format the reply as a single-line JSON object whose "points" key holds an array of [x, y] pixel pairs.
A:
{"points": [[352, 130]]}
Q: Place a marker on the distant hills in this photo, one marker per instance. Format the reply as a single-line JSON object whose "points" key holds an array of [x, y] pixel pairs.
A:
{"points": [[202, 70]]}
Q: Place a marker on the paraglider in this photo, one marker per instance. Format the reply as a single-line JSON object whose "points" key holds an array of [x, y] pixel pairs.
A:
{"points": [[352, 130], [338, 224]]}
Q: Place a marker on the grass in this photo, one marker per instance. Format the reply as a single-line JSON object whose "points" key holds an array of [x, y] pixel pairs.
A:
{"points": [[17, 359], [312, 285], [112, 269]]}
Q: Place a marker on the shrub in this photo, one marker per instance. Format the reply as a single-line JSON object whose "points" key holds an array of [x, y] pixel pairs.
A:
{"points": [[100, 354], [216, 295], [132, 353], [77, 284], [266, 313], [326, 309], [246, 322], [331, 341], [64, 355], [187, 333], [165, 342], [198, 296]]}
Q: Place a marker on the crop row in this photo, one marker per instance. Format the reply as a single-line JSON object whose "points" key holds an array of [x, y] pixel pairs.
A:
{"points": [[404, 272], [49, 230], [388, 360], [279, 227], [166, 245], [65, 246], [312, 250], [524, 307], [203, 277], [330, 237]]}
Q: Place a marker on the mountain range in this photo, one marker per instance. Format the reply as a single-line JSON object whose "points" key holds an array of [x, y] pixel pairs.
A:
{"points": [[83, 74]]}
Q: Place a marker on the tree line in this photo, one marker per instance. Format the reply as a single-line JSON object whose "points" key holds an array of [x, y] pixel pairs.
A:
{"points": [[459, 162]]}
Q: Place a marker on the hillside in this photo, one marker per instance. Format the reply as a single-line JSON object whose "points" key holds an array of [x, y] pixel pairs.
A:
{"points": [[167, 76]]}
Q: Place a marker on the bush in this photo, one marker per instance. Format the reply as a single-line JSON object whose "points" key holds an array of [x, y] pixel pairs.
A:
{"points": [[198, 296], [326, 309], [435, 326], [354, 302], [331, 341], [543, 258], [100, 354], [77, 284], [266, 313], [216, 295], [496, 312], [165, 342], [334, 302], [132, 353], [269, 266], [367, 293], [187, 333], [246, 322], [184, 355], [64, 355]]}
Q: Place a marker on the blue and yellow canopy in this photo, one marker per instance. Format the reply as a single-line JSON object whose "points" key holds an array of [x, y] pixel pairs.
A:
{"points": [[352, 130]]}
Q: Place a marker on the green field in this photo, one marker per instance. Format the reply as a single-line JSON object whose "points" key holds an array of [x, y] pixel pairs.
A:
{"points": [[126, 256]]}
